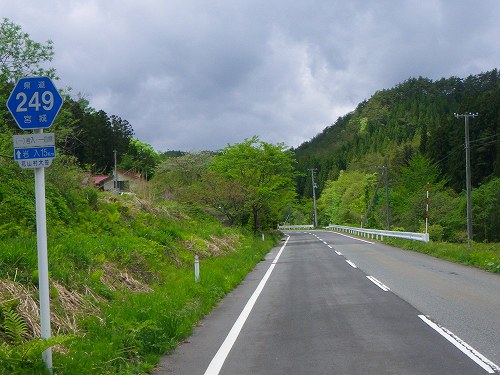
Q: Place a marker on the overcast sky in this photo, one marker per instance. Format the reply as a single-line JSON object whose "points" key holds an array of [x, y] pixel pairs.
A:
{"points": [[196, 75]]}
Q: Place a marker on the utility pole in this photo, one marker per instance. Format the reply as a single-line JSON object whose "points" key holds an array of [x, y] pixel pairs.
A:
{"points": [[427, 187], [115, 175], [387, 213], [314, 186], [468, 174]]}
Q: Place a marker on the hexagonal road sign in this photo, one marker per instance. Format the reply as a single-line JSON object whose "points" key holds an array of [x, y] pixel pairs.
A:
{"points": [[34, 103]]}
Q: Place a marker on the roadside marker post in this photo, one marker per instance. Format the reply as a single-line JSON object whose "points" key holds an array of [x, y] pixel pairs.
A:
{"points": [[34, 103], [196, 269]]}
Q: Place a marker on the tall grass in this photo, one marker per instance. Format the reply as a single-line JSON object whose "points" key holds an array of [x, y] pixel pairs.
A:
{"points": [[481, 255], [123, 293], [135, 329]]}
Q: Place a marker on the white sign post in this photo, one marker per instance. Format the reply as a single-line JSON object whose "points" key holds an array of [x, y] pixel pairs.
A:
{"points": [[43, 263], [34, 103]]}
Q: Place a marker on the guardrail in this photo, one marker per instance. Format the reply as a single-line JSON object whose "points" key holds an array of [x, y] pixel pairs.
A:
{"points": [[380, 234], [295, 227]]}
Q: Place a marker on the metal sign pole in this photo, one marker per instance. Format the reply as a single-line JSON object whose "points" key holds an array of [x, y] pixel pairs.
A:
{"points": [[43, 266], [34, 103]]}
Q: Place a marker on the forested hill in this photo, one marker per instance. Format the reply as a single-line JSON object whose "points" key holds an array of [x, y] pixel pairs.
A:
{"points": [[414, 117]]}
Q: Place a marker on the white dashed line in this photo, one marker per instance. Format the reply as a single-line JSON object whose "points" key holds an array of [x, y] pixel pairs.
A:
{"points": [[385, 288], [351, 263]]}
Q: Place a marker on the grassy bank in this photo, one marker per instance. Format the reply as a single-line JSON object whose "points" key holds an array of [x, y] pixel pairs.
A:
{"points": [[122, 286], [133, 331], [482, 255]]}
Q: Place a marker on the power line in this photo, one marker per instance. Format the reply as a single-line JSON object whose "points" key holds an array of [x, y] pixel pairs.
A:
{"points": [[485, 138], [473, 146], [487, 143]]}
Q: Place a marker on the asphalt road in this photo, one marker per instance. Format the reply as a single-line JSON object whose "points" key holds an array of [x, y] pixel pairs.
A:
{"points": [[310, 308], [464, 299]]}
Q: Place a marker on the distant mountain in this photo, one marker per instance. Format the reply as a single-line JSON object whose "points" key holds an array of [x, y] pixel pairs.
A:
{"points": [[416, 116]]}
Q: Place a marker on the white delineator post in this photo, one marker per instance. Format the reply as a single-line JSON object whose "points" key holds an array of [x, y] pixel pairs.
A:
{"points": [[43, 263], [196, 269]]}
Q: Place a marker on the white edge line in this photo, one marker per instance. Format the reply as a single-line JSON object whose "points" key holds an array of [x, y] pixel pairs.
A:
{"points": [[381, 285], [351, 263], [465, 348], [220, 357], [354, 238]]}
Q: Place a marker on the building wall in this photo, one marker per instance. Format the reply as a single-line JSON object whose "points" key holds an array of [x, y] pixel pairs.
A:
{"points": [[126, 183]]}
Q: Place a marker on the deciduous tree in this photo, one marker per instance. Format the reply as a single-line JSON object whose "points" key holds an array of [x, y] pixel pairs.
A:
{"points": [[20, 56], [140, 157], [265, 174]]}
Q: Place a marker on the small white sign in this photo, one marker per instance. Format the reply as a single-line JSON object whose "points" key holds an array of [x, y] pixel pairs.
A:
{"points": [[34, 140], [34, 163]]}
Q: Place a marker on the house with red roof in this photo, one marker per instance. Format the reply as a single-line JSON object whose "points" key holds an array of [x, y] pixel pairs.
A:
{"points": [[125, 181]]}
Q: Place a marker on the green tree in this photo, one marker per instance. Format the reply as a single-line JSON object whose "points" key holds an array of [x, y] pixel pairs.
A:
{"points": [[408, 195], [97, 135], [20, 56], [226, 196], [140, 157], [485, 211], [344, 201], [265, 174], [176, 176]]}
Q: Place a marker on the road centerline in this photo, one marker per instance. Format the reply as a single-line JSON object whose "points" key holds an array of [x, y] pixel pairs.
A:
{"points": [[378, 283], [351, 263]]}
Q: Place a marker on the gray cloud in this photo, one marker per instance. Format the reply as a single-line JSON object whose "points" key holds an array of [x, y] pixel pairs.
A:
{"points": [[196, 75]]}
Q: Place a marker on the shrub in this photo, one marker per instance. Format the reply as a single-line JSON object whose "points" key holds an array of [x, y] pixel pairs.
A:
{"points": [[436, 232]]}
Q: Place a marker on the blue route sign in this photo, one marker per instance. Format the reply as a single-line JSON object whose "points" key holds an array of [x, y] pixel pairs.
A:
{"points": [[35, 157], [35, 153], [34, 103]]}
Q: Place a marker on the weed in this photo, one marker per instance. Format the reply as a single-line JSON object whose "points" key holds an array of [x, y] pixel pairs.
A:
{"points": [[122, 282], [481, 255]]}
